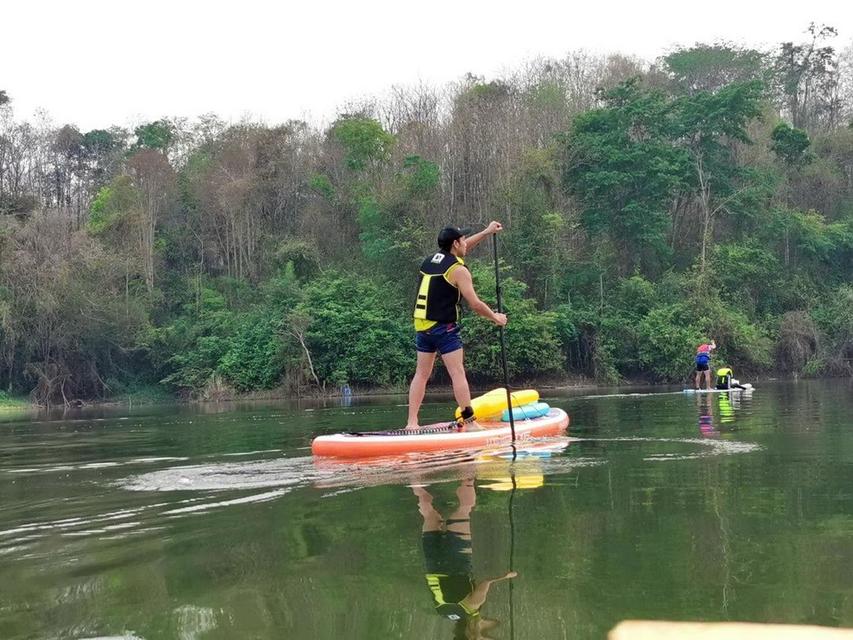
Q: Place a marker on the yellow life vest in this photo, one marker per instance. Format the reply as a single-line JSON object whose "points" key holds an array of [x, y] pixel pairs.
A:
{"points": [[438, 298]]}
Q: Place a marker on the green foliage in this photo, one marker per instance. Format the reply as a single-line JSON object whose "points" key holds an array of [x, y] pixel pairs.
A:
{"points": [[650, 330], [622, 167], [420, 177], [666, 340], [98, 141], [197, 340], [303, 257], [635, 297], [834, 318], [357, 332], [375, 240], [393, 223], [817, 239], [790, 144], [803, 76], [154, 135], [364, 140], [252, 360], [480, 96], [322, 185], [797, 342], [532, 345], [589, 339], [534, 239], [705, 67], [228, 333], [708, 120], [289, 257], [749, 270], [112, 205], [547, 96], [741, 343], [627, 162]]}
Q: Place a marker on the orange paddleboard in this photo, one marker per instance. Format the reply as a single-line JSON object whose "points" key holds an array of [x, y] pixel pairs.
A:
{"points": [[438, 437]]}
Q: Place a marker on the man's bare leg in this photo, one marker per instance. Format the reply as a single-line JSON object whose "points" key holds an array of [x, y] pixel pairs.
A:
{"points": [[454, 363], [459, 522], [432, 518], [417, 389]]}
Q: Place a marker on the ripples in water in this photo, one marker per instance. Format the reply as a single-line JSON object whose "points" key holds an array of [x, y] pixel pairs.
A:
{"points": [[200, 488]]}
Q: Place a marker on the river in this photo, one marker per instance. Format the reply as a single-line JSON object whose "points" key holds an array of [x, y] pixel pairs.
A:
{"points": [[214, 521]]}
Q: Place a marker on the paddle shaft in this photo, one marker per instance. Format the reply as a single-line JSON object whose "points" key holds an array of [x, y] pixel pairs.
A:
{"points": [[501, 333], [512, 430]]}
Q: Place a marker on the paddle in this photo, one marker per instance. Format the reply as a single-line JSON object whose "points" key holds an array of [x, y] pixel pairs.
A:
{"points": [[503, 343], [512, 429]]}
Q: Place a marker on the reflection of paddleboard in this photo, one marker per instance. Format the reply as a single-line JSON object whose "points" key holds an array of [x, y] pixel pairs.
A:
{"points": [[748, 386], [491, 465], [519, 469], [438, 437]]}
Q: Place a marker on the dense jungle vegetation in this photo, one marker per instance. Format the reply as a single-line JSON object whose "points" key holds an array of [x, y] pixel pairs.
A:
{"points": [[646, 205]]}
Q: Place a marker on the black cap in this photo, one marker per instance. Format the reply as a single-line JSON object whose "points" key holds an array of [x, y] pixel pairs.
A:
{"points": [[448, 235]]}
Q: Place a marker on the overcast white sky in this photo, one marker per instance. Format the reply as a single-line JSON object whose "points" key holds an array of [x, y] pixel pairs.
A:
{"points": [[96, 63]]}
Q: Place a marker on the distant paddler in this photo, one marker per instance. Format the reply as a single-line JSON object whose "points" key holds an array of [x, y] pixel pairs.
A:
{"points": [[444, 280], [703, 363], [726, 380]]}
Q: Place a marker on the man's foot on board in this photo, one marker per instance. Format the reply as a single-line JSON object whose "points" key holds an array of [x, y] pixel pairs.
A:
{"points": [[411, 427], [473, 425]]}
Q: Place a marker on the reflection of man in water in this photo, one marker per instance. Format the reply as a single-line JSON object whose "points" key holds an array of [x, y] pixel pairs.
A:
{"points": [[449, 574]]}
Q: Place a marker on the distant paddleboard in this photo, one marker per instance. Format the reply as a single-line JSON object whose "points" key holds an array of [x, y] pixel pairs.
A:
{"points": [[748, 386]]}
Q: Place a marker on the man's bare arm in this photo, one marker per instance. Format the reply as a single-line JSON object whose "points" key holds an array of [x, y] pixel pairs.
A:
{"points": [[477, 238], [461, 277]]}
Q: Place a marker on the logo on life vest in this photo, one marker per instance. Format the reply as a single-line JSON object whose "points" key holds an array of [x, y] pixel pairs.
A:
{"points": [[437, 258]]}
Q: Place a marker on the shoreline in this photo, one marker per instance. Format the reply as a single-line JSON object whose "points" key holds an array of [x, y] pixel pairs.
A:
{"points": [[279, 395]]}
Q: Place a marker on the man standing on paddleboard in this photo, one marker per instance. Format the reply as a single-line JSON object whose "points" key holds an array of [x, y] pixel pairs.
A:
{"points": [[444, 280], [703, 363]]}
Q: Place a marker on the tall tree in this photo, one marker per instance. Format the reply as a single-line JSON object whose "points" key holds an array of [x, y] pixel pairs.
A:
{"points": [[708, 125], [621, 166], [807, 79], [154, 180], [709, 67]]}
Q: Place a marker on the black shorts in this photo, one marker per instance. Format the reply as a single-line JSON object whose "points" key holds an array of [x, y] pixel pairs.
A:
{"points": [[443, 338], [446, 552], [703, 367]]}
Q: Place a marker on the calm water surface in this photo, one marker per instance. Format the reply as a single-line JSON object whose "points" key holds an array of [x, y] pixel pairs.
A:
{"points": [[215, 522]]}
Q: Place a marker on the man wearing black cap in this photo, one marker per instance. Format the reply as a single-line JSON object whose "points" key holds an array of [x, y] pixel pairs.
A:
{"points": [[444, 280]]}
